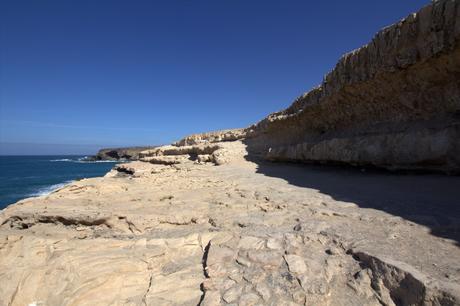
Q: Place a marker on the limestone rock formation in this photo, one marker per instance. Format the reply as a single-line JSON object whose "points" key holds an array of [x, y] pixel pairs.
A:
{"points": [[198, 234], [128, 153], [393, 103], [217, 136], [201, 153], [207, 222]]}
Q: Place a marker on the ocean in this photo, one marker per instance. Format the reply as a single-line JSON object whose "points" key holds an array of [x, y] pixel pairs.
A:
{"points": [[28, 176]]}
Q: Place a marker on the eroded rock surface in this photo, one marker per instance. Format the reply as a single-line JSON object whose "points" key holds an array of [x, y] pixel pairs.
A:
{"points": [[193, 233], [205, 222], [393, 103], [128, 153], [211, 137], [206, 151]]}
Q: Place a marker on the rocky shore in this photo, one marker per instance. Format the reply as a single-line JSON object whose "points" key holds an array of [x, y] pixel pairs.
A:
{"points": [[213, 220], [179, 230], [123, 154], [393, 103]]}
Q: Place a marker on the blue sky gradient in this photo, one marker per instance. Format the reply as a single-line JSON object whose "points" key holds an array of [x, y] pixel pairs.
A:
{"points": [[91, 74]]}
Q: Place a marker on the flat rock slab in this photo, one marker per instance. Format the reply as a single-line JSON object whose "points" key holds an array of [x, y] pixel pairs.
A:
{"points": [[197, 233]]}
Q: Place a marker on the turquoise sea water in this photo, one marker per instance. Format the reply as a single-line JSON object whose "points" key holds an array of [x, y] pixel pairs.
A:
{"points": [[28, 176]]}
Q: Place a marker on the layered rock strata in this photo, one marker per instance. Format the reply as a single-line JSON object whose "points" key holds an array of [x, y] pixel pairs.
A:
{"points": [[198, 234], [204, 222], [393, 103], [174, 154], [128, 153], [216, 136]]}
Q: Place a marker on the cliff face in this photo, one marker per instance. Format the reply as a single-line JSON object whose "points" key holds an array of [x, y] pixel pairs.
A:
{"points": [[217, 136], [393, 103], [129, 153], [175, 229]]}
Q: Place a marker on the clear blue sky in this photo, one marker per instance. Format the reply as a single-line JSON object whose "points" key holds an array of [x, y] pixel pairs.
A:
{"points": [[76, 75]]}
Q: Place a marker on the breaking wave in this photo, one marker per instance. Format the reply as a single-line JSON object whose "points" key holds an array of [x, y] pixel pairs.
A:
{"points": [[82, 160], [49, 189]]}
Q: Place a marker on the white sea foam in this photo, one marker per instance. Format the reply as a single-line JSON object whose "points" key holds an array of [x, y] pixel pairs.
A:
{"points": [[98, 161], [49, 189], [82, 160]]}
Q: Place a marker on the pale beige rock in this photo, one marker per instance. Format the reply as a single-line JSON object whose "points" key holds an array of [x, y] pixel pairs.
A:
{"points": [[392, 103], [175, 229], [166, 160], [249, 242], [274, 244], [295, 263], [233, 294], [212, 298], [211, 137], [249, 299], [148, 234], [264, 291]]}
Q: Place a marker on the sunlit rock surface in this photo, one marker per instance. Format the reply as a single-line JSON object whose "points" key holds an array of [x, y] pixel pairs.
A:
{"points": [[211, 220]]}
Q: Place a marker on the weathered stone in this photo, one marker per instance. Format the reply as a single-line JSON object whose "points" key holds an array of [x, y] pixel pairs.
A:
{"points": [[264, 291], [216, 270], [211, 298], [243, 261], [299, 297], [217, 254], [295, 263], [248, 242], [392, 103], [232, 294], [274, 244], [182, 232], [254, 275], [211, 137], [266, 258], [249, 299], [314, 284], [130, 153]]}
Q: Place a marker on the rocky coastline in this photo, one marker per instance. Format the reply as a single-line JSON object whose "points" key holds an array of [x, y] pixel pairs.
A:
{"points": [[219, 218], [122, 154]]}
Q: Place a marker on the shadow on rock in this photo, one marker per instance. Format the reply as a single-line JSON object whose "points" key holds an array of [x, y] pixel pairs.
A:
{"points": [[430, 200]]}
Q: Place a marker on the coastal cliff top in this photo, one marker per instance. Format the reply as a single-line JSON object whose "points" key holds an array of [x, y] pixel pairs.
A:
{"points": [[220, 218], [192, 232]]}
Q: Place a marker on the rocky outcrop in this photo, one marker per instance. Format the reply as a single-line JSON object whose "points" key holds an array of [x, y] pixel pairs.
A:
{"points": [[195, 234], [203, 152], [210, 137], [393, 103], [128, 153], [174, 229]]}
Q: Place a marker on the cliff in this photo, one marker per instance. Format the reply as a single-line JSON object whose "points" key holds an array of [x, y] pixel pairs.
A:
{"points": [[177, 230], [128, 153], [216, 136], [210, 220], [393, 103]]}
